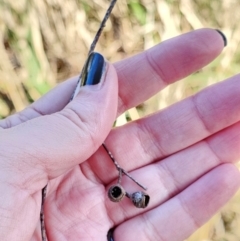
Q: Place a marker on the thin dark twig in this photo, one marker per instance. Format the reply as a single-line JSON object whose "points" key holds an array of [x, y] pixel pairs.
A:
{"points": [[112, 157], [92, 47], [140, 185], [120, 170], [120, 176], [102, 25], [43, 229]]}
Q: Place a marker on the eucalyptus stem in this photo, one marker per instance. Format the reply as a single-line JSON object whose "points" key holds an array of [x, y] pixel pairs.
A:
{"points": [[102, 25], [120, 170]]}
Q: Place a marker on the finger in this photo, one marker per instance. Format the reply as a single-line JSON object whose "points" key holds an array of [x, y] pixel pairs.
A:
{"points": [[172, 175], [53, 144], [175, 128], [144, 75], [178, 218], [140, 76], [55, 100]]}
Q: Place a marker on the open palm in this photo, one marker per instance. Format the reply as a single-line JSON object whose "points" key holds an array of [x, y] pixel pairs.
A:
{"points": [[183, 154]]}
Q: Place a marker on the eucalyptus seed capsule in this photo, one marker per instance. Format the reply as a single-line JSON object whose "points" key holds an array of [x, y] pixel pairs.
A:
{"points": [[116, 193], [140, 199]]}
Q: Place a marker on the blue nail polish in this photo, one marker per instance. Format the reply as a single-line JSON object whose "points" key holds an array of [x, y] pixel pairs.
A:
{"points": [[110, 235], [93, 69], [92, 72], [223, 37]]}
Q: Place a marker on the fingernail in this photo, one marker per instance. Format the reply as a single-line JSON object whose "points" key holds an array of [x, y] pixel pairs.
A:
{"points": [[92, 73], [93, 70], [110, 235], [223, 37]]}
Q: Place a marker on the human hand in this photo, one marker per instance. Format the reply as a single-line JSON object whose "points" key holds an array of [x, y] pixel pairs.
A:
{"points": [[183, 154]]}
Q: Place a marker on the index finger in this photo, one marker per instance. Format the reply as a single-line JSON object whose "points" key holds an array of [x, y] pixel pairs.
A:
{"points": [[145, 74], [140, 76]]}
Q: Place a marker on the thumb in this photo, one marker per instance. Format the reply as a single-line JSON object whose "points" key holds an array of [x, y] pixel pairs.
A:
{"points": [[53, 144]]}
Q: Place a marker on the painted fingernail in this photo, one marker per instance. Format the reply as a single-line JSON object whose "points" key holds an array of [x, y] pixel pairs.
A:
{"points": [[110, 235], [92, 73], [223, 37], [93, 70]]}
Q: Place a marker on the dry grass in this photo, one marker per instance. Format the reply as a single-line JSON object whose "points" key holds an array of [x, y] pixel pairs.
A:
{"points": [[45, 42]]}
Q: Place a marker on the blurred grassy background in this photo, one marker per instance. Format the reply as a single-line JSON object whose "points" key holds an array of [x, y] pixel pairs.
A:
{"points": [[43, 42]]}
